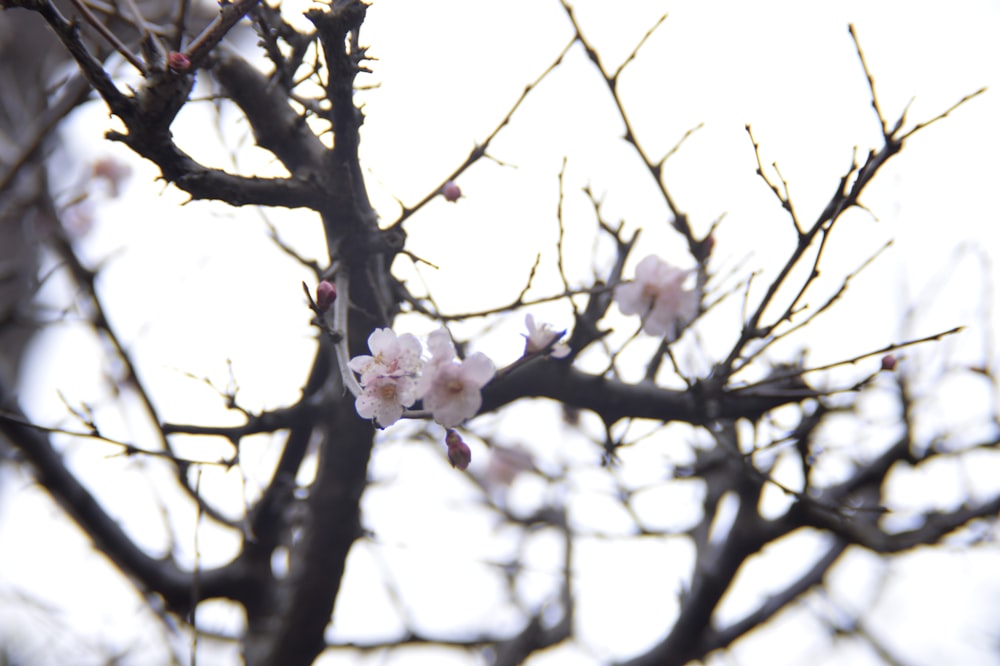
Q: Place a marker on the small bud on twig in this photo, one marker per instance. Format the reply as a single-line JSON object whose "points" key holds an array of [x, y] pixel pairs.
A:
{"points": [[451, 192], [326, 294], [459, 454], [178, 62]]}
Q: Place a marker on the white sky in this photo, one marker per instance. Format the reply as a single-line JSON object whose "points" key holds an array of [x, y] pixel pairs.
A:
{"points": [[193, 286]]}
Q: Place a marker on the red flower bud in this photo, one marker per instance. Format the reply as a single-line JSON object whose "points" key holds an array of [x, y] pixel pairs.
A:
{"points": [[889, 362], [178, 62], [459, 454], [451, 192], [326, 294]]}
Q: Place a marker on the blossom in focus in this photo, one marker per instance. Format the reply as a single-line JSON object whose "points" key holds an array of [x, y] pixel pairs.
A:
{"points": [[451, 389], [658, 295], [384, 398], [459, 454], [540, 337], [392, 356], [388, 376]]}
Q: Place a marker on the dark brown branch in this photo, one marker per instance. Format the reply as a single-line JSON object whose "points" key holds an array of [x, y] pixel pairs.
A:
{"points": [[74, 94], [716, 639], [87, 280], [936, 525], [276, 126], [109, 35], [92, 69], [161, 576], [287, 628], [202, 182], [612, 399], [229, 15], [717, 564]]}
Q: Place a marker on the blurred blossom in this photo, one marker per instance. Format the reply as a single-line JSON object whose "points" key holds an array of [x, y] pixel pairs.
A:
{"points": [[505, 464], [657, 294], [113, 172]]}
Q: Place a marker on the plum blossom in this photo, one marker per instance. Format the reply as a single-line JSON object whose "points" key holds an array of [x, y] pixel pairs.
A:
{"points": [[506, 464], [451, 389], [388, 376], [393, 356], [384, 398], [658, 295], [539, 337], [113, 172]]}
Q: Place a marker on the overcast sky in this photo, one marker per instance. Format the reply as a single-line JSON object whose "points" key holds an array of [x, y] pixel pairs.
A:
{"points": [[446, 74]]}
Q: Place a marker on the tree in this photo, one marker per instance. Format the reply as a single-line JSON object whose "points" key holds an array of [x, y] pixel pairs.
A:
{"points": [[697, 407]]}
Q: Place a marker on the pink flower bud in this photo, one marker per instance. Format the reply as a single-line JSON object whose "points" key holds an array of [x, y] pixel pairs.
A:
{"points": [[459, 454], [178, 62], [451, 192], [326, 294], [889, 362]]}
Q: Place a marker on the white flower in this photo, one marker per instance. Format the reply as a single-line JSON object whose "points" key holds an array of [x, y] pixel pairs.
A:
{"points": [[658, 295], [388, 377], [384, 398], [392, 356], [451, 389], [540, 337]]}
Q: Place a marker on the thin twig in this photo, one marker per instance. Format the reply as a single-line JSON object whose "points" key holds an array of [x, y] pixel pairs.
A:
{"points": [[108, 35], [479, 150]]}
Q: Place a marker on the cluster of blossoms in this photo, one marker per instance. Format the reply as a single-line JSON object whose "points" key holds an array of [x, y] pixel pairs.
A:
{"points": [[388, 377], [659, 296], [395, 375]]}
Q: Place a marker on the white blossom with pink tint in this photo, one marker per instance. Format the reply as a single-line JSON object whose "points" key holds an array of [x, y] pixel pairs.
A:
{"points": [[658, 295], [539, 337], [392, 356], [451, 389], [388, 377], [384, 398], [506, 464]]}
